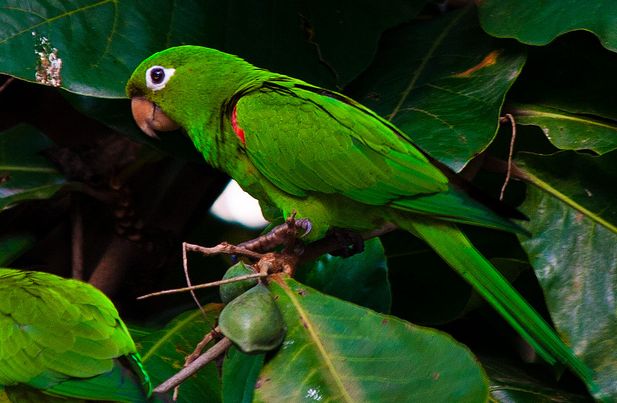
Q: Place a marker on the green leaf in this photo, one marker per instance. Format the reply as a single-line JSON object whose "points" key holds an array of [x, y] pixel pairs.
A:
{"points": [[295, 38], [361, 278], [570, 98], [119, 35], [240, 373], [330, 40], [539, 22], [14, 245], [24, 173], [574, 74], [573, 219], [569, 131], [337, 351], [163, 353], [446, 99], [509, 384]]}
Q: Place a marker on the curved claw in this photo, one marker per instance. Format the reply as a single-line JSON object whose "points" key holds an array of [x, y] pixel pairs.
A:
{"points": [[305, 225]]}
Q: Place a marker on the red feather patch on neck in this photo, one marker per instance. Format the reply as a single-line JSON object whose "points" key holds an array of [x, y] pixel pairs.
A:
{"points": [[234, 125]]}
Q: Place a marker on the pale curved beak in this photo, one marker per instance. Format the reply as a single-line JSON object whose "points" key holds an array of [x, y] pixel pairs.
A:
{"points": [[150, 118]]}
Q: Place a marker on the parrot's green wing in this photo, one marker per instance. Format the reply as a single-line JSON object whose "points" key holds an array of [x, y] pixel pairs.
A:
{"points": [[305, 139], [65, 337]]}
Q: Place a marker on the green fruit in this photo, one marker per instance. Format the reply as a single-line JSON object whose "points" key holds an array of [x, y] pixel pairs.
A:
{"points": [[253, 321], [232, 290]]}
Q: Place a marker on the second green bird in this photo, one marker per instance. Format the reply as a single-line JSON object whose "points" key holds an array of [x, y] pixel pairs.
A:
{"points": [[63, 339]]}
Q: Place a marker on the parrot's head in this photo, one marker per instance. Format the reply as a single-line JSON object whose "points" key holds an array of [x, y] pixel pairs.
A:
{"points": [[154, 87], [176, 87]]}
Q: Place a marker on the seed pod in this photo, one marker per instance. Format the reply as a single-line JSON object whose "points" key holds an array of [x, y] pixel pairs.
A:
{"points": [[253, 321], [232, 290]]}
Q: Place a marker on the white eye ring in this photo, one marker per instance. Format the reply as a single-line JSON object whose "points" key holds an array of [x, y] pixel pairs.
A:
{"points": [[158, 76]]}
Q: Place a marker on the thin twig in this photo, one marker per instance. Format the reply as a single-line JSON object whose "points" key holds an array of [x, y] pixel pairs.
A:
{"points": [[185, 266], [207, 285], [223, 247], [201, 345], [196, 353], [213, 352], [193, 363], [6, 83], [509, 170]]}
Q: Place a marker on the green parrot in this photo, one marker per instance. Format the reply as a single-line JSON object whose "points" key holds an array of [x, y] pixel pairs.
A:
{"points": [[300, 148], [64, 338]]}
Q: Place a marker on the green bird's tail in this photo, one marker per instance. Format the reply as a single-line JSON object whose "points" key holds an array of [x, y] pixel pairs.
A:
{"points": [[454, 247], [121, 384]]}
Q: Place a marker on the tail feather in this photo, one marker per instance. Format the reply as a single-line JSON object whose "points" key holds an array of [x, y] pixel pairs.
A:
{"points": [[120, 384], [454, 247]]}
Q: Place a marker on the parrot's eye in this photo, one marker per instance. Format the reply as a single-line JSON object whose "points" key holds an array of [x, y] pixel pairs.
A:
{"points": [[157, 77]]}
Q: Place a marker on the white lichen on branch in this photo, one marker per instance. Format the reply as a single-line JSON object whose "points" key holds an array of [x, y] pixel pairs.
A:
{"points": [[48, 65]]}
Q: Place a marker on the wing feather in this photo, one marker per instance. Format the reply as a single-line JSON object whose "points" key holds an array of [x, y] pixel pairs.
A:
{"points": [[304, 141]]}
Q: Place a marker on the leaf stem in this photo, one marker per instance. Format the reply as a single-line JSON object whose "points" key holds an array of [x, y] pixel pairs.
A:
{"points": [[213, 352]]}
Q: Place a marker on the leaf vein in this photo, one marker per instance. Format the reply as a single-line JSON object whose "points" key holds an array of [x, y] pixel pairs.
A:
{"points": [[416, 75]]}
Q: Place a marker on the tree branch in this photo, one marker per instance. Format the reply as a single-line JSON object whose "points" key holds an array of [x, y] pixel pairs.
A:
{"points": [[213, 352], [207, 285]]}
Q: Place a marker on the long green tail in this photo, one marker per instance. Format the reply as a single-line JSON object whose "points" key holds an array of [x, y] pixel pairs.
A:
{"points": [[454, 247]]}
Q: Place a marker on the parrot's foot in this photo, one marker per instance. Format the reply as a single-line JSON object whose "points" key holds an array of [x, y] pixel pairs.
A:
{"points": [[284, 234], [354, 242]]}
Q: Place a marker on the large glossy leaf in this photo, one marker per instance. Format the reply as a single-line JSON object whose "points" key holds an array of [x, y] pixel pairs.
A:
{"points": [[539, 22], [163, 353], [337, 351], [25, 174], [240, 373], [509, 384], [361, 278], [573, 249], [443, 82], [569, 131], [573, 74], [326, 43], [101, 42], [14, 245]]}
